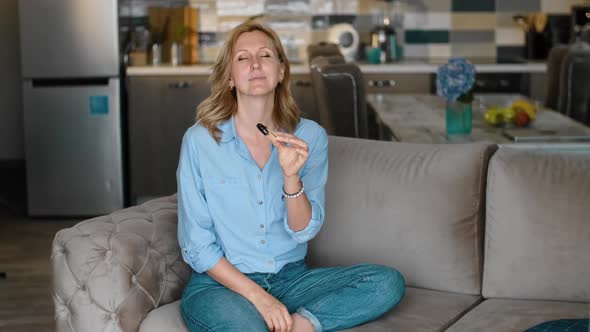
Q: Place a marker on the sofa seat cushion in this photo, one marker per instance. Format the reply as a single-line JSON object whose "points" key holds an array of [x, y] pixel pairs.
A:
{"points": [[420, 310], [165, 318], [517, 315]]}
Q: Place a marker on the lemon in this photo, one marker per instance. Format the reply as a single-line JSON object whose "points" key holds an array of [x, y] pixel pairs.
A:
{"points": [[508, 114], [493, 117]]}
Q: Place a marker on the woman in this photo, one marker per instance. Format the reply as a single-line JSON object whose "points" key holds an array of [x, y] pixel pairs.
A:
{"points": [[248, 204]]}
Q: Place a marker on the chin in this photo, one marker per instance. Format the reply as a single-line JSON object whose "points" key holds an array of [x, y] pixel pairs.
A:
{"points": [[260, 92]]}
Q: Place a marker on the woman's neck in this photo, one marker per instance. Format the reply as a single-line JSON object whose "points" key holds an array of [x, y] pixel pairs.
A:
{"points": [[253, 110]]}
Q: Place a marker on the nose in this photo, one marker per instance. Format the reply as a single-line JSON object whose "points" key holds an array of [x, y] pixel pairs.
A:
{"points": [[255, 65]]}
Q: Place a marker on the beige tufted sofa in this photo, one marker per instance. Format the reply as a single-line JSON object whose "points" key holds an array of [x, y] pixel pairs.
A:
{"points": [[488, 239]]}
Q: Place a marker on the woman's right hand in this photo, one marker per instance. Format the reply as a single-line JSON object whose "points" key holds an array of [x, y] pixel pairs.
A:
{"points": [[275, 313]]}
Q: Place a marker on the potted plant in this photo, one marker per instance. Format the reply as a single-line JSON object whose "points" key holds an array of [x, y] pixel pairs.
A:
{"points": [[455, 81]]}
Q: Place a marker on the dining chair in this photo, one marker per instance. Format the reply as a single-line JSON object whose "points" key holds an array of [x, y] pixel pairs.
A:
{"points": [[339, 89], [574, 83], [554, 61], [322, 49]]}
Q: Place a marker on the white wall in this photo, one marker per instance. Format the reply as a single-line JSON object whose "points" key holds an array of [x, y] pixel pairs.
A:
{"points": [[11, 115]]}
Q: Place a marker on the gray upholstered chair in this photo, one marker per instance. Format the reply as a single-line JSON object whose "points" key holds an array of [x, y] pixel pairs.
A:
{"points": [[574, 83], [322, 49], [340, 96], [339, 90], [568, 78], [554, 61]]}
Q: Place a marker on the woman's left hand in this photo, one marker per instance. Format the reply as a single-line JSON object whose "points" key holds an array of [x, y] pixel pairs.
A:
{"points": [[292, 156]]}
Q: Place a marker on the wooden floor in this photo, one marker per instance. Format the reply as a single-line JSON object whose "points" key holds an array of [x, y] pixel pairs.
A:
{"points": [[25, 294]]}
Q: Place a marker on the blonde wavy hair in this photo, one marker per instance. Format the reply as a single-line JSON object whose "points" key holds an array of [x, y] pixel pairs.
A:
{"points": [[222, 103]]}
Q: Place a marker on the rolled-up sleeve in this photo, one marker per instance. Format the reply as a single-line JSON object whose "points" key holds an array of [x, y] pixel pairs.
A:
{"points": [[196, 235], [314, 176]]}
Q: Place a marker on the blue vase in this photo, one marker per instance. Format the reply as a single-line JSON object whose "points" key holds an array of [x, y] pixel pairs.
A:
{"points": [[458, 118]]}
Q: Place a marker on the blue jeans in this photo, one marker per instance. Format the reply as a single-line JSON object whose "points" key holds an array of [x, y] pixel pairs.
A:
{"points": [[330, 298]]}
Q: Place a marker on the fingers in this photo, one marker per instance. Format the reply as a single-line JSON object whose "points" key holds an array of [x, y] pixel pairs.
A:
{"points": [[303, 153], [269, 323], [293, 140], [288, 319], [282, 321]]}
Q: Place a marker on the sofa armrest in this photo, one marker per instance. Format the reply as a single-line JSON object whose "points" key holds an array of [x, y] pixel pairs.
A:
{"points": [[110, 271]]}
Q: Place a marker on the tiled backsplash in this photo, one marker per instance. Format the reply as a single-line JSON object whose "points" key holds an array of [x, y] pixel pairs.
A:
{"points": [[430, 29]]}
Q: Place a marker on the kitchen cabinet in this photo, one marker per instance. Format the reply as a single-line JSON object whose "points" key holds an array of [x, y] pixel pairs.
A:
{"points": [[397, 83], [161, 109]]}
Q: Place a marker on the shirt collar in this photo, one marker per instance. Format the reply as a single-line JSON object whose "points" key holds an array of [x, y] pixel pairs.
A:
{"points": [[228, 128]]}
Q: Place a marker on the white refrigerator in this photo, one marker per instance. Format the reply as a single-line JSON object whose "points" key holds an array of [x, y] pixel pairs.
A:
{"points": [[72, 106]]}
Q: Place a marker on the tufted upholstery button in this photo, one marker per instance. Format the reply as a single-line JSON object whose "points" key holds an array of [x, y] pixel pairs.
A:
{"points": [[134, 279], [83, 287], [108, 253], [113, 316]]}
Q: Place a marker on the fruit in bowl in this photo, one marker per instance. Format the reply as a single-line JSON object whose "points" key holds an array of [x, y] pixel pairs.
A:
{"points": [[520, 113], [522, 119], [494, 117]]}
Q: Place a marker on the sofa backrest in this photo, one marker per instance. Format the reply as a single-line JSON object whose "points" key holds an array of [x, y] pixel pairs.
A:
{"points": [[537, 241], [416, 207]]}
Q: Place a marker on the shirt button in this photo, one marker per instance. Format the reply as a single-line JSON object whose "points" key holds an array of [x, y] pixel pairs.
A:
{"points": [[262, 242], [260, 202], [259, 177], [269, 262], [261, 226]]}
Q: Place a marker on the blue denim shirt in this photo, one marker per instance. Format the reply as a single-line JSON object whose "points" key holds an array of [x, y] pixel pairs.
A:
{"points": [[228, 207]]}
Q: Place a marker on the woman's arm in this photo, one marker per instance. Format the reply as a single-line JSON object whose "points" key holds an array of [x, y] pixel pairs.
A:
{"points": [[299, 208], [275, 313], [305, 213]]}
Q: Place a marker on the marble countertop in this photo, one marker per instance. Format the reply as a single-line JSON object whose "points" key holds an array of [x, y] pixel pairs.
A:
{"points": [[402, 67], [419, 118]]}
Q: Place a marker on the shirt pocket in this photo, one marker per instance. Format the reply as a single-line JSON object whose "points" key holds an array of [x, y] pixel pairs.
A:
{"points": [[223, 181], [224, 189]]}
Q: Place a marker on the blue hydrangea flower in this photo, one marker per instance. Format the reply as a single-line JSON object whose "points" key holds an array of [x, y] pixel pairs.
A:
{"points": [[455, 78]]}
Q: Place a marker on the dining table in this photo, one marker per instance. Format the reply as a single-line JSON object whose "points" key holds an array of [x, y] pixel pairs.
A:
{"points": [[420, 118]]}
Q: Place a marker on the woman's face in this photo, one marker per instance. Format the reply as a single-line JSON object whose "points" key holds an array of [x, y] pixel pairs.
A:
{"points": [[255, 67]]}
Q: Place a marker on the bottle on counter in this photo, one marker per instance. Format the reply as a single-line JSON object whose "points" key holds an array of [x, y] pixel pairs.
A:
{"points": [[384, 36]]}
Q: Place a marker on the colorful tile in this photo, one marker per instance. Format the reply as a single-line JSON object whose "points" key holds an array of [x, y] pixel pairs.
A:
{"points": [[368, 7], [364, 23], [558, 6], [506, 20], [509, 36], [474, 50], [439, 50], [473, 21], [420, 51], [349, 7], [519, 5], [426, 36], [509, 53], [427, 21], [427, 6], [466, 36], [473, 5]]}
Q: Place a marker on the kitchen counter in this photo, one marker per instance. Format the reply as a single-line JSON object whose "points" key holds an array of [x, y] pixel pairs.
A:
{"points": [[402, 67], [420, 118]]}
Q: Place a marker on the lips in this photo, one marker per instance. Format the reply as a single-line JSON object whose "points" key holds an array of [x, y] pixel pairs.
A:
{"points": [[257, 78]]}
